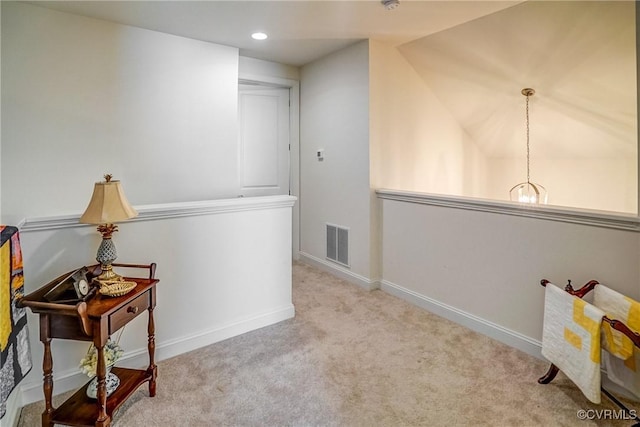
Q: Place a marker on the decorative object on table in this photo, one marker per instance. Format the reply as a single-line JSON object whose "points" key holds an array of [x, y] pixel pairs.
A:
{"points": [[88, 365], [72, 288], [14, 333], [108, 205], [116, 288], [112, 382], [528, 192]]}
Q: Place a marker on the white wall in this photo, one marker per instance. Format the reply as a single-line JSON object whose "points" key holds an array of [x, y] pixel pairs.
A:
{"points": [[488, 266], [224, 268], [334, 116], [420, 145], [82, 97]]}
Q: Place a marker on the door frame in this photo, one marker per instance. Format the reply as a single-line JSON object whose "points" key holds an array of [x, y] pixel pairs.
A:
{"points": [[294, 141]]}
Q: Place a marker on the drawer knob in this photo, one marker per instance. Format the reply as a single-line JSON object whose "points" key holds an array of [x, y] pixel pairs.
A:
{"points": [[132, 309]]}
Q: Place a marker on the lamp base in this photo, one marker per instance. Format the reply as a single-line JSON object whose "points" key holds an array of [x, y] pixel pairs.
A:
{"points": [[107, 254], [108, 274]]}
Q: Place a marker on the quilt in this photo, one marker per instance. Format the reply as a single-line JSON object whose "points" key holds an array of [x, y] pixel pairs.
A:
{"points": [[571, 339], [15, 353], [622, 358]]}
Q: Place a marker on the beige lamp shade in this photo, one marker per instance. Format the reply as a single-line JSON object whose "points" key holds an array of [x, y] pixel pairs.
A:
{"points": [[108, 205]]}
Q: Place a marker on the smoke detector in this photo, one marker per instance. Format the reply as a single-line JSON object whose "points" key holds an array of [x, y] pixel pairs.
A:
{"points": [[390, 4]]}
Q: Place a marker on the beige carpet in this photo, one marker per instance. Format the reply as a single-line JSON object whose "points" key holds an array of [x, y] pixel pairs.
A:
{"points": [[353, 358]]}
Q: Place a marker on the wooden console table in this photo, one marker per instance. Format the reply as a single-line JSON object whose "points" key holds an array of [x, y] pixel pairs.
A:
{"points": [[94, 320]]}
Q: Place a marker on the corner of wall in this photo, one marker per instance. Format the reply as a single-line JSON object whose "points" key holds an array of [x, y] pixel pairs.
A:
{"points": [[334, 117], [340, 272]]}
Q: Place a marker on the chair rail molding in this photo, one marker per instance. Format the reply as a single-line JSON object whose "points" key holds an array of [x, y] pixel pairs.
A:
{"points": [[587, 217], [168, 210]]}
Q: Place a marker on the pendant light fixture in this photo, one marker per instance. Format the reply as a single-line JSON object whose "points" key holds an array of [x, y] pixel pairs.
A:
{"points": [[528, 192], [390, 4]]}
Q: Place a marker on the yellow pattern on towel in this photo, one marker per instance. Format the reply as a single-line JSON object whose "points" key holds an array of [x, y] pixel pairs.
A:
{"points": [[622, 358], [590, 325], [571, 339], [627, 311]]}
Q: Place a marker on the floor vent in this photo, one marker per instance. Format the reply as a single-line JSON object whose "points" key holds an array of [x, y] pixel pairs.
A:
{"points": [[338, 244]]}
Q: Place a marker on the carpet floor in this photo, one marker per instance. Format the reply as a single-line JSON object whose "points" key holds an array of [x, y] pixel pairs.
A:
{"points": [[355, 358]]}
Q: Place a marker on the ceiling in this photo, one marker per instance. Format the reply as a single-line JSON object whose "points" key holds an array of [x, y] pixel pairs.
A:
{"points": [[299, 31], [476, 56]]}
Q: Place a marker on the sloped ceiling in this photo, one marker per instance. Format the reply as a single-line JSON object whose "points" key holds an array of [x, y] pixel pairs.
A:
{"points": [[580, 57]]}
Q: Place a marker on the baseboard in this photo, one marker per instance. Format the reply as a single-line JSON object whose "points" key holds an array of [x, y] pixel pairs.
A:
{"points": [[14, 405], [72, 379], [475, 323], [182, 345], [340, 271]]}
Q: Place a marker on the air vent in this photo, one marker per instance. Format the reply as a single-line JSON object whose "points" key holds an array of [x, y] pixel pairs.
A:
{"points": [[338, 244]]}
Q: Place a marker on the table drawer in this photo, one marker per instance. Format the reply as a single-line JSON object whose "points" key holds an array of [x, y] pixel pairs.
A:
{"points": [[127, 312]]}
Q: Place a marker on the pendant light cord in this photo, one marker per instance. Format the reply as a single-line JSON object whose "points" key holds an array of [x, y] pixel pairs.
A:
{"points": [[527, 110]]}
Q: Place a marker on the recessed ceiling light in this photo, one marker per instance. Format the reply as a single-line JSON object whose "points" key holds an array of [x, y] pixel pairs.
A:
{"points": [[259, 36]]}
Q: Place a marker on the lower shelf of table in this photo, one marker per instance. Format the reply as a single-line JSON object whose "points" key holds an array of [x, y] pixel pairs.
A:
{"points": [[80, 410]]}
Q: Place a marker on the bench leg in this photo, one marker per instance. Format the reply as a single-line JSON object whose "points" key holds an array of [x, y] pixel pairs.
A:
{"points": [[549, 376]]}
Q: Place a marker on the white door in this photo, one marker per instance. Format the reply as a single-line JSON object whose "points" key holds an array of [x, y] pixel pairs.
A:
{"points": [[263, 148]]}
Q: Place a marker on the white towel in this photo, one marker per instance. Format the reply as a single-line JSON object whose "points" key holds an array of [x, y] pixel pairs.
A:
{"points": [[622, 358], [571, 339]]}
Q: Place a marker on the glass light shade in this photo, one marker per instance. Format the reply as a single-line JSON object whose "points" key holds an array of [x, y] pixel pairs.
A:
{"points": [[528, 192]]}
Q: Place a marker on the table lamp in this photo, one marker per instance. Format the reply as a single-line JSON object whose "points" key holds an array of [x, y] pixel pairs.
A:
{"points": [[108, 205]]}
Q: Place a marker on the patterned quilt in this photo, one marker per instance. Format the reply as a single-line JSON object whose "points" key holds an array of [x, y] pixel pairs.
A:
{"points": [[15, 356]]}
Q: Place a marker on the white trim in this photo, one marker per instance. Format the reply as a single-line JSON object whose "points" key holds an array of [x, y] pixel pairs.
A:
{"points": [[169, 210], [72, 378], [200, 339], [13, 408], [339, 271], [475, 323], [593, 218]]}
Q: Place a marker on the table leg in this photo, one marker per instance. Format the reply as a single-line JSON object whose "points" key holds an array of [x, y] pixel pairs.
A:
{"points": [[101, 373], [47, 383], [151, 330]]}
